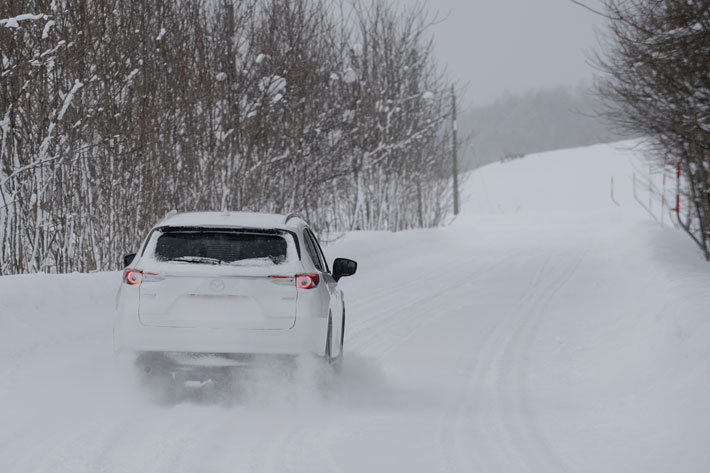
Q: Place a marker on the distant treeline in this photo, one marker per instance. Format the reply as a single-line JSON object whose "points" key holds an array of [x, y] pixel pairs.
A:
{"points": [[113, 112], [542, 120]]}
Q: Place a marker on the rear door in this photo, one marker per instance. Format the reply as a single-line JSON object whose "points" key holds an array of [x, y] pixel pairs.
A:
{"points": [[214, 278]]}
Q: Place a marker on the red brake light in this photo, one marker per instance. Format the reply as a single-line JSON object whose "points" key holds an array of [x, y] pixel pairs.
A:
{"points": [[131, 277], [307, 281]]}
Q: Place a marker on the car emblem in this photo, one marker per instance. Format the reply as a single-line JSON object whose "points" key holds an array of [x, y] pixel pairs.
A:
{"points": [[217, 285]]}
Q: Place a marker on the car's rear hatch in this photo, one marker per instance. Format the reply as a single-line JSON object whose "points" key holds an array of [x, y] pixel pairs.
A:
{"points": [[219, 278]]}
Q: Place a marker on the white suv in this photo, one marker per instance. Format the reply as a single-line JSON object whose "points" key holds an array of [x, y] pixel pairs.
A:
{"points": [[231, 283]]}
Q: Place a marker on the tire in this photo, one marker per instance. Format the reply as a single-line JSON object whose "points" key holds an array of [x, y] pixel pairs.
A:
{"points": [[337, 362], [158, 379], [342, 335], [329, 341]]}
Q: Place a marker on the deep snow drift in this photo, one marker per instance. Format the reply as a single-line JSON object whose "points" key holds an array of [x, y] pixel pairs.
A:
{"points": [[546, 330]]}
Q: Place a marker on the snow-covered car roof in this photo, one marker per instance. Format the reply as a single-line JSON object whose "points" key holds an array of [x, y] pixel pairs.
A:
{"points": [[231, 219]]}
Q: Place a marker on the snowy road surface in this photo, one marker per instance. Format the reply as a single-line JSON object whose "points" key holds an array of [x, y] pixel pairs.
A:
{"points": [[545, 330]]}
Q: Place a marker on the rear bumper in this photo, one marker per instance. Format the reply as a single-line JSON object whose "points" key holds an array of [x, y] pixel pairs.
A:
{"points": [[306, 336]]}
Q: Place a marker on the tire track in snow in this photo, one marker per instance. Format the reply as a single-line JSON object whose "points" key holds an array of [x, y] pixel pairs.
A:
{"points": [[474, 369], [524, 428], [494, 411], [391, 325]]}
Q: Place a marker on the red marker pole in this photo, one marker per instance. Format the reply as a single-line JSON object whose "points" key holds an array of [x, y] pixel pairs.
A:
{"points": [[663, 188], [677, 189]]}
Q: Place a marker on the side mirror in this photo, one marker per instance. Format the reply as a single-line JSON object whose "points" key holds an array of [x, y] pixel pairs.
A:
{"points": [[343, 267], [128, 259]]}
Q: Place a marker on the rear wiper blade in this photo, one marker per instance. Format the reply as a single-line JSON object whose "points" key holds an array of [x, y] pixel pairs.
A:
{"points": [[197, 259]]}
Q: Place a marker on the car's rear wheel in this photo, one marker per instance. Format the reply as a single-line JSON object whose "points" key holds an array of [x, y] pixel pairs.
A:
{"points": [[334, 361], [329, 341], [342, 334], [338, 361]]}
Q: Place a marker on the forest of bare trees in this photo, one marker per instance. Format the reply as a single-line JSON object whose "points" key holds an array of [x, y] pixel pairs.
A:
{"points": [[114, 112], [657, 83]]}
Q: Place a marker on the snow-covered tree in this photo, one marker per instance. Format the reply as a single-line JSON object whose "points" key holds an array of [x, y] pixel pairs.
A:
{"points": [[114, 112], [657, 83]]}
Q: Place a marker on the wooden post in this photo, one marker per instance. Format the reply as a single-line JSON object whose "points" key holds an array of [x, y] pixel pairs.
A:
{"points": [[453, 150]]}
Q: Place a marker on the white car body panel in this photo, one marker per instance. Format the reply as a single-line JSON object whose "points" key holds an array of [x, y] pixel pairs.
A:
{"points": [[234, 301]]}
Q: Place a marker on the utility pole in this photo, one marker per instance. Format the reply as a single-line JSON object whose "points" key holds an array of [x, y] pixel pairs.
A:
{"points": [[455, 166]]}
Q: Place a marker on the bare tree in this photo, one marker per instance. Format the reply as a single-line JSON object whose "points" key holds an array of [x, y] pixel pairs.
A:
{"points": [[656, 60], [114, 112]]}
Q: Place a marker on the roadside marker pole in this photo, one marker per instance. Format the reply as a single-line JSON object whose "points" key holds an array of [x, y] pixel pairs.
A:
{"points": [[663, 189], [640, 202], [677, 190], [650, 186], [612, 192], [454, 158]]}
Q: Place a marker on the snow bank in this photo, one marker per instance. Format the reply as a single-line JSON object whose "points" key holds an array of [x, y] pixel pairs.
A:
{"points": [[41, 313]]}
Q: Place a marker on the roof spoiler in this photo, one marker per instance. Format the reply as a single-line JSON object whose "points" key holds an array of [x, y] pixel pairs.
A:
{"points": [[169, 214], [290, 216]]}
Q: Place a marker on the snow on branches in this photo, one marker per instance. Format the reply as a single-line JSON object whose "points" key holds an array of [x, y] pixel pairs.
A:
{"points": [[246, 105]]}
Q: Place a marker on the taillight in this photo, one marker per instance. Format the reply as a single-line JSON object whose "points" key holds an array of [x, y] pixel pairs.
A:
{"points": [[131, 277], [307, 281]]}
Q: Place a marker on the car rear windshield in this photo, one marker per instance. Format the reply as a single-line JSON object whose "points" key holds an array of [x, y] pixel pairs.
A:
{"points": [[218, 247]]}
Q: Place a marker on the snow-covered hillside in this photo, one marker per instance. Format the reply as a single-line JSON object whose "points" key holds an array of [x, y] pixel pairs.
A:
{"points": [[545, 330]]}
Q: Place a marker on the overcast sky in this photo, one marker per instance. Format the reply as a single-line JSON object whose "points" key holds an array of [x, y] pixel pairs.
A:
{"points": [[500, 46]]}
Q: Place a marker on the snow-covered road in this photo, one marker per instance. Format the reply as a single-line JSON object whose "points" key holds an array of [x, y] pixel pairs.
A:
{"points": [[545, 330]]}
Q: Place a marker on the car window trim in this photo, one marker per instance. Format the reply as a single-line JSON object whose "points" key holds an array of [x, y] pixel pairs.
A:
{"points": [[320, 250], [312, 249]]}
